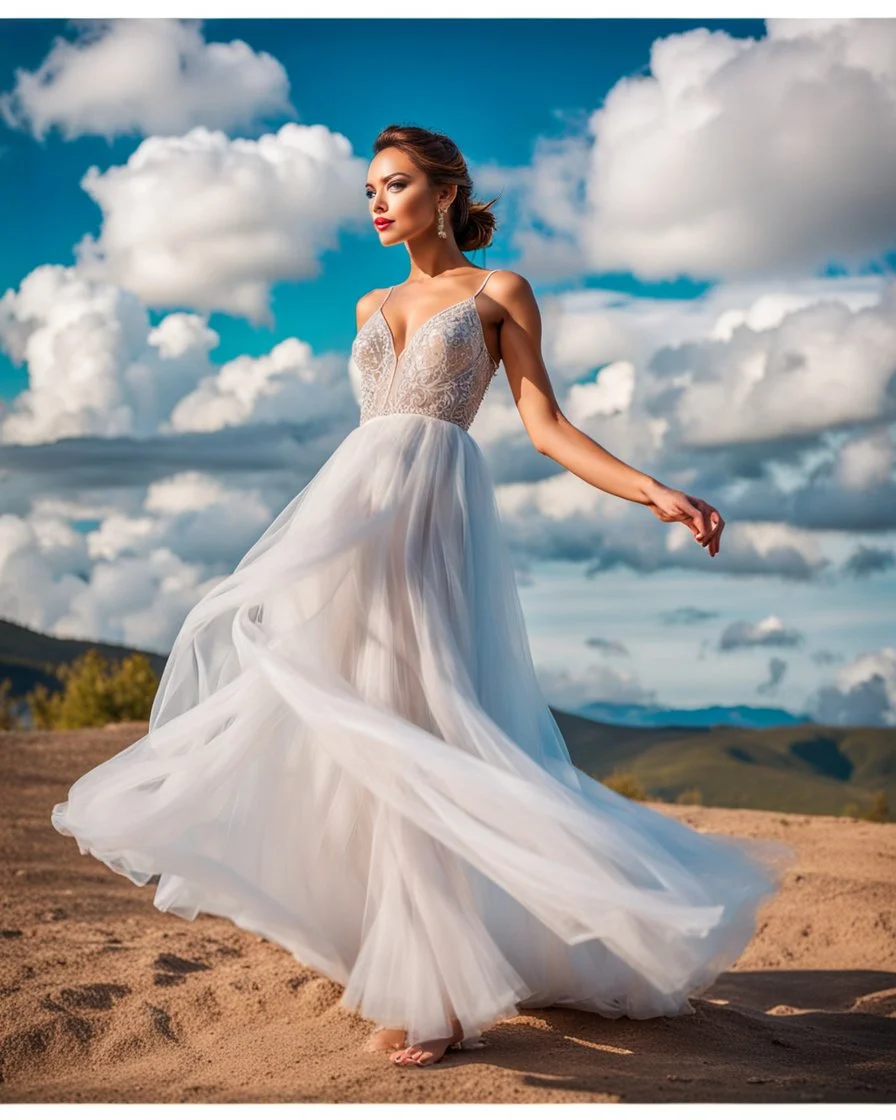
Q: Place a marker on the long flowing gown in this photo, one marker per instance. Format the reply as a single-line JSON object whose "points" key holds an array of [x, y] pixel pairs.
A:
{"points": [[349, 752]]}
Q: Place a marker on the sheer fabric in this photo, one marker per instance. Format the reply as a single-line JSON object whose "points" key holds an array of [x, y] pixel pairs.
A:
{"points": [[350, 754]]}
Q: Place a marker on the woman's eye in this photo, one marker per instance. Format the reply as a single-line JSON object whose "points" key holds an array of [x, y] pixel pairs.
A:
{"points": [[368, 194]]}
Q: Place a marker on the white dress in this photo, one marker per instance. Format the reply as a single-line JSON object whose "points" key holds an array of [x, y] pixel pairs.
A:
{"points": [[349, 752]]}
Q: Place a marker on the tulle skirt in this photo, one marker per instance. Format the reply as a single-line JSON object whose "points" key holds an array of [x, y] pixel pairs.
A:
{"points": [[349, 753]]}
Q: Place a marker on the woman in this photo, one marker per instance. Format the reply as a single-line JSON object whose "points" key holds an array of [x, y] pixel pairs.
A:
{"points": [[349, 752]]}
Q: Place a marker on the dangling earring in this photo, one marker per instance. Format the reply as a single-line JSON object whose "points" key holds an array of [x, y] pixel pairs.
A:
{"points": [[441, 225]]}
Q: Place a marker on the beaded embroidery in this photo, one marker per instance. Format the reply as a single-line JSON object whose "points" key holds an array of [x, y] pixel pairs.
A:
{"points": [[443, 371]]}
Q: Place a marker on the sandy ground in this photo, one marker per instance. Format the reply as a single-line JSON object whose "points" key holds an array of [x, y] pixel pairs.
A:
{"points": [[105, 998]]}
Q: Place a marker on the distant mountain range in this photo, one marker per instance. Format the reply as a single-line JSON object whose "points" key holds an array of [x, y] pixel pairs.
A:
{"points": [[739, 756], [736, 715], [802, 768]]}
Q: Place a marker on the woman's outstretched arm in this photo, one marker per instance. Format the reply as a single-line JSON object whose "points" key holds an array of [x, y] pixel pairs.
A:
{"points": [[553, 435]]}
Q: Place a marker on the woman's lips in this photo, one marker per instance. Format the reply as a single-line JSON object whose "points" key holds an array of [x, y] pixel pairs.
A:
{"points": [[381, 223]]}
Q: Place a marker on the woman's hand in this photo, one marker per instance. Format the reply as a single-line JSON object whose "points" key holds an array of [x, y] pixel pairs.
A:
{"points": [[703, 520]]}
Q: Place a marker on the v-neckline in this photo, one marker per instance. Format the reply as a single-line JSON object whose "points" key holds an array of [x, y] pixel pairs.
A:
{"points": [[396, 358]]}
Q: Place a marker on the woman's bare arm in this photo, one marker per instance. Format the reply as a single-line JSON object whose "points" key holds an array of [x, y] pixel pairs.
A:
{"points": [[553, 435], [550, 431]]}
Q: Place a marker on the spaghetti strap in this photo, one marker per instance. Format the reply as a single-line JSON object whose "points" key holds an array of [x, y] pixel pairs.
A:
{"points": [[385, 297], [485, 281]]}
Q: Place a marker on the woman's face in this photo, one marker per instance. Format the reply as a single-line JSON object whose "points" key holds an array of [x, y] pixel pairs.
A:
{"points": [[397, 190]]}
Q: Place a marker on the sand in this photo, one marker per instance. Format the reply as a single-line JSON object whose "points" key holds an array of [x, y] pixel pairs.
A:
{"points": [[105, 998]]}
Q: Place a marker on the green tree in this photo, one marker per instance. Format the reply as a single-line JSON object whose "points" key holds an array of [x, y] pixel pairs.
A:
{"points": [[9, 715], [95, 692]]}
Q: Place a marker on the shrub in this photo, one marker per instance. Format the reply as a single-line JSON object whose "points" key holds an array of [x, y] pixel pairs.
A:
{"points": [[692, 796], [95, 692], [880, 809], [626, 783]]}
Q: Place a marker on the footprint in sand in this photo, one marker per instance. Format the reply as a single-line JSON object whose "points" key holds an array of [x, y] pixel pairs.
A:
{"points": [[84, 997], [171, 969]]}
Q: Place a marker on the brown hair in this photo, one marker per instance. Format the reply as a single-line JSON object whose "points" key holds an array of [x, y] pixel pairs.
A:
{"points": [[439, 158]]}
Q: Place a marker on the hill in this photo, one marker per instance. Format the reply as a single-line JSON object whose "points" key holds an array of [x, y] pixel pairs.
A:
{"points": [[28, 657], [805, 768]]}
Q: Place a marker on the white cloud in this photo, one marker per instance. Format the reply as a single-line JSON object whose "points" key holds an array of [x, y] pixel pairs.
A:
{"points": [[612, 392], [769, 631], [95, 365], [569, 690], [289, 381], [743, 397], [756, 547], [38, 578], [866, 460], [97, 368], [211, 223], [136, 600], [864, 692], [145, 76], [731, 157], [822, 367], [194, 514], [133, 578]]}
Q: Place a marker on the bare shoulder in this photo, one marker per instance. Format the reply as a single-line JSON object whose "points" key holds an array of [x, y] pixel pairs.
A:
{"points": [[511, 289], [367, 304]]}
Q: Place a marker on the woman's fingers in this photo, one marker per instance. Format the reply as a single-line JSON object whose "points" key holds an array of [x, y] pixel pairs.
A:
{"points": [[695, 509], [708, 524]]}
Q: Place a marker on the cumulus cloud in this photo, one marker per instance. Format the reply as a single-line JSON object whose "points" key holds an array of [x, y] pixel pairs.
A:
{"points": [[211, 223], [100, 378], [722, 391], [822, 367], [551, 192], [866, 460], [754, 548], [133, 578], [778, 409], [95, 364], [145, 76], [863, 694], [205, 521], [612, 392], [96, 367], [730, 157], [770, 631]]}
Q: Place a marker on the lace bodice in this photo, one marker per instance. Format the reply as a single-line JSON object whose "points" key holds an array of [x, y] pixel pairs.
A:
{"points": [[443, 371]]}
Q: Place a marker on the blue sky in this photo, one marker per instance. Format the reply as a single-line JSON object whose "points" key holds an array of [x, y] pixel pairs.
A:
{"points": [[704, 212], [498, 112]]}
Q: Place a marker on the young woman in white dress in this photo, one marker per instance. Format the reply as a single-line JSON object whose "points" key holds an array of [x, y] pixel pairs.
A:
{"points": [[349, 752]]}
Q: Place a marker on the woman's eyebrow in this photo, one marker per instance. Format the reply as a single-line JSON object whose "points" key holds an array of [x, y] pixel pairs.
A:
{"points": [[385, 177]]}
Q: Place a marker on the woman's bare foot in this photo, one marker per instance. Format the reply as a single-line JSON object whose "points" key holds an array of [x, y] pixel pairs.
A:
{"points": [[429, 1052], [386, 1038]]}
